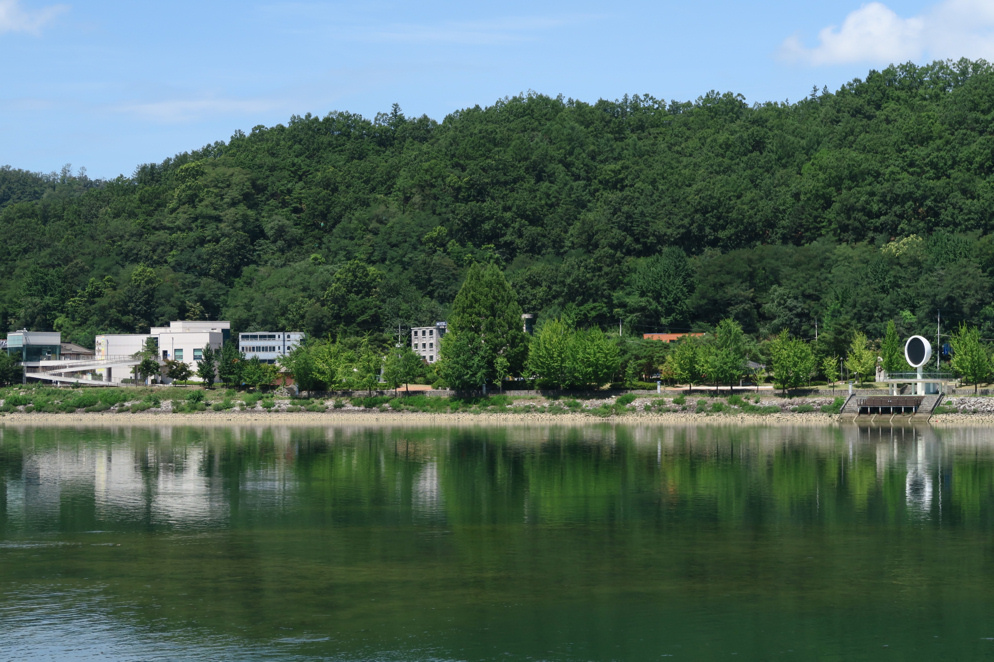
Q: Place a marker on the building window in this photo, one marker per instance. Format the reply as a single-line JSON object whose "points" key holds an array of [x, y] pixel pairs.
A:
{"points": [[431, 359], [431, 332], [198, 355], [431, 345], [178, 354], [422, 345]]}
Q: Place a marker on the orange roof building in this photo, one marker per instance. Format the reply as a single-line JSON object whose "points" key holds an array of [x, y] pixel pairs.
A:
{"points": [[668, 337]]}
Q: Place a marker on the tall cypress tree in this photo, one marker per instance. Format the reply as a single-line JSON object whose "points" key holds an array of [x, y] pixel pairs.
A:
{"points": [[485, 324], [890, 350]]}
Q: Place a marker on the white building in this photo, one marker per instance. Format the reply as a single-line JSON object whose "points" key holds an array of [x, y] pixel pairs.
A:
{"points": [[425, 340], [268, 346], [180, 341]]}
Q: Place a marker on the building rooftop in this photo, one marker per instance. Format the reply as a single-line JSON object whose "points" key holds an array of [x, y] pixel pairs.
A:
{"points": [[668, 337]]}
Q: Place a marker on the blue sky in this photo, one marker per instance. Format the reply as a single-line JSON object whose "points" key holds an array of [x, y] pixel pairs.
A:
{"points": [[108, 85]]}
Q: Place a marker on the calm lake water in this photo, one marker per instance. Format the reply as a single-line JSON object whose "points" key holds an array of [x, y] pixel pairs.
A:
{"points": [[537, 543]]}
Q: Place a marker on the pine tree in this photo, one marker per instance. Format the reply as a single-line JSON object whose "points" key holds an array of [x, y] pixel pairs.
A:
{"points": [[207, 366]]}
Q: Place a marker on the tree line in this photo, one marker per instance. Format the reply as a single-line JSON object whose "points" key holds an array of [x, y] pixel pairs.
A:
{"points": [[840, 212], [486, 345]]}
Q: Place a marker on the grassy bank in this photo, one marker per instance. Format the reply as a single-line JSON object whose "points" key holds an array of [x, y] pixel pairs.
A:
{"points": [[48, 400]]}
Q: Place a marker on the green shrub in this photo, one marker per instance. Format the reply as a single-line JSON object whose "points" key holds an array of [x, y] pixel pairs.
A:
{"points": [[339, 403], [268, 403], [803, 409], [115, 396], [736, 400], [81, 400], [754, 409], [573, 404], [222, 405], [835, 407], [421, 403], [680, 400], [196, 396], [499, 401], [718, 407], [702, 405], [316, 406], [99, 407], [17, 400], [625, 400], [142, 405], [371, 402], [603, 411]]}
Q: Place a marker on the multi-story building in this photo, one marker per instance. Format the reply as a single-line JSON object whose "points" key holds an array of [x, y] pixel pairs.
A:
{"points": [[269, 346], [425, 340], [180, 341]]}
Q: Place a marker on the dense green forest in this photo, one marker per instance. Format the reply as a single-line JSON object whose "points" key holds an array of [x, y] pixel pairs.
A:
{"points": [[847, 209]]}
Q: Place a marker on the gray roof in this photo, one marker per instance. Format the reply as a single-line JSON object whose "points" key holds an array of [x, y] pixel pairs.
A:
{"points": [[73, 348]]}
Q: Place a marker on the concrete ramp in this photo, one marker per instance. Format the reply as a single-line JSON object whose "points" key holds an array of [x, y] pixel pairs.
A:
{"points": [[70, 372]]}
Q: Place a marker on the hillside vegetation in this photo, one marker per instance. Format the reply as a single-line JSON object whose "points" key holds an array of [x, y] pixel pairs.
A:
{"points": [[850, 208]]}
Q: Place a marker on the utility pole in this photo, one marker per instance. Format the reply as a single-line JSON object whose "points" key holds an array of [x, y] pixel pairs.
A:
{"points": [[938, 335]]}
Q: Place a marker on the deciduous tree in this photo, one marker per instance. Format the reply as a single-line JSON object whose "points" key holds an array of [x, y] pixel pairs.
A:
{"points": [[792, 360], [403, 366], [860, 360], [971, 360]]}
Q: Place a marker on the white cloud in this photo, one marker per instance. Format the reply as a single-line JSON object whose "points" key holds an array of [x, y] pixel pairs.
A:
{"points": [[15, 19], [177, 111], [875, 34]]}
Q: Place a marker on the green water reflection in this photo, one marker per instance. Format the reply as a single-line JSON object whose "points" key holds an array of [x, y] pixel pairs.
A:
{"points": [[596, 542]]}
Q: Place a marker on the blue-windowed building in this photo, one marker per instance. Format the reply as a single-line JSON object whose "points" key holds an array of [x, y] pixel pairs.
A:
{"points": [[269, 346], [31, 346]]}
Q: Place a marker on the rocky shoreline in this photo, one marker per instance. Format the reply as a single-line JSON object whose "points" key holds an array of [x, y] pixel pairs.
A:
{"points": [[376, 418], [958, 410]]}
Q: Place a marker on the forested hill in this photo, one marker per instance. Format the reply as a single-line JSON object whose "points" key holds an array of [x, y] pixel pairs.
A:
{"points": [[871, 203]]}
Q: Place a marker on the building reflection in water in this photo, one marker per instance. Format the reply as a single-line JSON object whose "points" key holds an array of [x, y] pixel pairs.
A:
{"points": [[919, 449]]}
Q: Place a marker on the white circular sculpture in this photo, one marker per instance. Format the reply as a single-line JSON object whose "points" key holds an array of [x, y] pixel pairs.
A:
{"points": [[917, 351]]}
